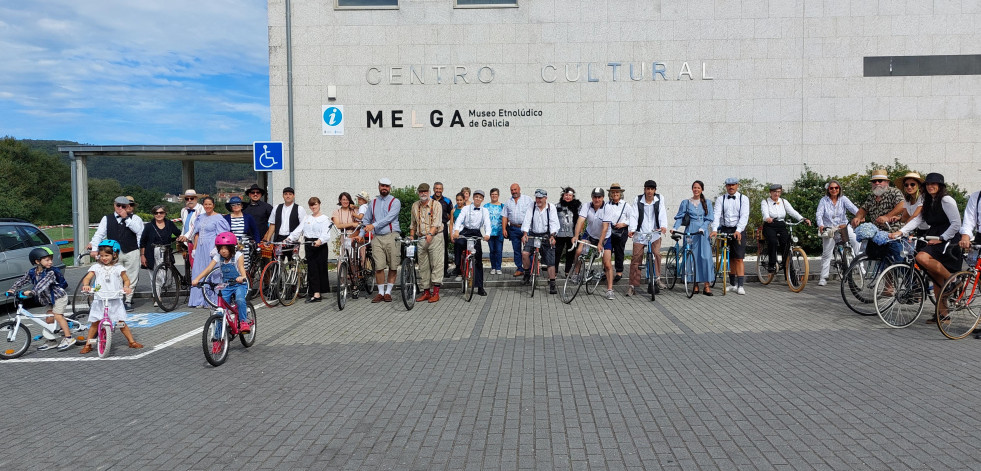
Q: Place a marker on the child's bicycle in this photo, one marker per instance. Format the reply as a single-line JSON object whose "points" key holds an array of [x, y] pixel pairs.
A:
{"points": [[106, 325], [16, 338], [222, 325]]}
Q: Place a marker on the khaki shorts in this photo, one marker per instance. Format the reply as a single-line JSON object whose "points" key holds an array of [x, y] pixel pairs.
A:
{"points": [[60, 305], [385, 252]]}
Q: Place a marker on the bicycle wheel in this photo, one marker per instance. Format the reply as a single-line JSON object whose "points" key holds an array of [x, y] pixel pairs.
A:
{"points": [[254, 275], [211, 295], [407, 283], [651, 276], [342, 284], [105, 339], [289, 284], [899, 294], [724, 270], [717, 253], [593, 276], [214, 340], [534, 271], [368, 275], [762, 260], [468, 279], [572, 283], [842, 259], [957, 296], [671, 267], [858, 284], [689, 267], [797, 270], [249, 338], [14, 339], [269, 284], [166, 287], [81, 301], [302, 273]]}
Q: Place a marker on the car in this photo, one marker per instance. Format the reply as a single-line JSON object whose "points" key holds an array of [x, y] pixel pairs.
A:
{"points": [[17, 238]]}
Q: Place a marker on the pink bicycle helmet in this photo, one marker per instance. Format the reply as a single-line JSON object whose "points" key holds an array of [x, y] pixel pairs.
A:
{"points": [[226, 238]]}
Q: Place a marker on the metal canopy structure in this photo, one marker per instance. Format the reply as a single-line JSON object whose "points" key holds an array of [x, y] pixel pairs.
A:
{"points": [[238, 153]]}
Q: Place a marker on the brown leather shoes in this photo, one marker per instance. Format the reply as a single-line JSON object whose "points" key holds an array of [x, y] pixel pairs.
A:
{"points": [[378, 298], [86, 349], [140, 345], [388, 298], [423, 297], [434, 298]]}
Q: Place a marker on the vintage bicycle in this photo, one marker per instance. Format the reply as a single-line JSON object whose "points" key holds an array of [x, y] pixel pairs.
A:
{"points": [[679, 262], [957, 298], [535, 260], [468, 270], [16, 338], [284, 278], [408, 278], [650, 269], [902, 287], [723, 259], [795, 266]]}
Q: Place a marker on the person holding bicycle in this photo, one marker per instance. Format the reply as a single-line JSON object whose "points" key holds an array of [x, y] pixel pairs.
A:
{"points": [[473, 221], [315, 231], [940, 257], [232, 264], [568, 208], [831, 215], [883, 200], [775, 210], [731, 217], [108, 275], [382, 219], [427, 221], [971, 222], [648, 223], [597, 218], [157, 233], [49, 288], [541, 220], [695, 214]]}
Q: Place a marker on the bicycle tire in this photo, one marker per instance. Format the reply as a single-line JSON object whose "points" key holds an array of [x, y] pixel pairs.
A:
{"points": [[289, 284], [81, 301], [690, 272], [303, 280], [573, 281], [717, 253], [214, 340], [899, 294], [534, 271], [593, 277], [342, 284], [209, 292], [762, 260], [254, 274], [468, 280], [671, 267], [797, 269], [168, 294], [651, 276], [958, 295], [104, 342], [724, 270], [248, 339], [407, 283], [269, 284], [21, 343], [858, 284]]}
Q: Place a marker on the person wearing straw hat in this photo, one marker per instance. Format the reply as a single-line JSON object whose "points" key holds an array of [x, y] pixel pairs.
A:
{"points": [[257, 208], [622, 213], [189, 212], [911, 187], [127, 229], [883, 200]]}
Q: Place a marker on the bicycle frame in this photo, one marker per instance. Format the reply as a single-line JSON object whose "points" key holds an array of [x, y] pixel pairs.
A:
{"points": [[49, 331]]}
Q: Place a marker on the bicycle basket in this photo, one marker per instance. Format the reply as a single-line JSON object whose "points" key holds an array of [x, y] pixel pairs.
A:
{"points": [[266, 250]]}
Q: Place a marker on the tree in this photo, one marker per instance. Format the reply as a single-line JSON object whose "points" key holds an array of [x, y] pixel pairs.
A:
{"points": [[36, 186]]}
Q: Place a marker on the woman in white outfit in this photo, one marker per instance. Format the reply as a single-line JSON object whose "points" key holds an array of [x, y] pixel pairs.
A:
{"points": [[831, 213]]}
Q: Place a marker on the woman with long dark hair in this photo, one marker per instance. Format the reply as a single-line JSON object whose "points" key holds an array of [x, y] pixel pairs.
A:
{"points": [[700, 215], [568, 211]]}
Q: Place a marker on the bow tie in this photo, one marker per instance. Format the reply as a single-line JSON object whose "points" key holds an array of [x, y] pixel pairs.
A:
{"points": [[614, 204], [732, 197]]}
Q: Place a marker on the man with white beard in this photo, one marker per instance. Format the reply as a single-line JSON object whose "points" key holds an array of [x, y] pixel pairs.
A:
{"points": [[880, 202]]}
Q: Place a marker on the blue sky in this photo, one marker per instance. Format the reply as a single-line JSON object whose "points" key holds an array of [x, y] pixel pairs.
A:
{"points": [[135, 71]]}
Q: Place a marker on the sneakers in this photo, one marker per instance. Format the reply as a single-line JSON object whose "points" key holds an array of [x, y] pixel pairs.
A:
{"points": [[244, 327], [740, 290], [660, 284], [551, 287], [822, 282], [458, 278], [730, 289], [45, 346], [66, 343], [129, 307], [609, 294], [631, 291]]}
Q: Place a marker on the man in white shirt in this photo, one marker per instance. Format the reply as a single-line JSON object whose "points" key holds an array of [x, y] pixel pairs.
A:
{"points": [[621, 212], [127, 229], [189, 213], [598, 222], [473, 221], [971, 222], [731, 217], [512, 216], [541, 220], [648, 223], [286, 217]]}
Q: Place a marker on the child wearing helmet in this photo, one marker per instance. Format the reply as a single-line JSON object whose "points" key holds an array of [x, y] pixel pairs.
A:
{"points": [[107, 275], [232, 264], [49, 287]]}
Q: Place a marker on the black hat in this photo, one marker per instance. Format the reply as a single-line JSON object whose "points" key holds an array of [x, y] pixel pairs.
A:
{"points": [[934, 178], [650, 184], [289, 189], [256, 187]]}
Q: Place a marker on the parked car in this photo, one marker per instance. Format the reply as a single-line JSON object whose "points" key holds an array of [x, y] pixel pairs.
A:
{"points": [[17, 239]]}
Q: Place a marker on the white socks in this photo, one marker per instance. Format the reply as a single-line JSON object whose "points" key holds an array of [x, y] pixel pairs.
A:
{"points": [[385, 288]]}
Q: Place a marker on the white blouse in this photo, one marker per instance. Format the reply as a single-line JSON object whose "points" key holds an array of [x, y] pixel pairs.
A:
{"points": [[313, 228]]}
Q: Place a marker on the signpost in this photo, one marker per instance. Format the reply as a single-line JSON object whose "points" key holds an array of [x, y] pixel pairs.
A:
{"points": [[267, 156]]}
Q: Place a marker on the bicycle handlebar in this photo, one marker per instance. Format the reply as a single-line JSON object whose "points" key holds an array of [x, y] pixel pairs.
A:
{"points": [[107, 295]]}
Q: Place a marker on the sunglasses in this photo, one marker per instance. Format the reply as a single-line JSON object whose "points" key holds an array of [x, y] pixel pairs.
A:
{"points": [[255, 192], [160, 212], [911, 185], [834, 187], [879, 181], [122, 205], [190, 199]]}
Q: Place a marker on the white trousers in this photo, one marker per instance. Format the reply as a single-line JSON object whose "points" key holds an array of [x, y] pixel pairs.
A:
{"points": [[131, 261], [829, 246]]}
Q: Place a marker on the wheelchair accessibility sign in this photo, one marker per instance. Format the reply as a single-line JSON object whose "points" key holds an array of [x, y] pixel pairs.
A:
{"points": [[333, 120], [267, 156], [153, 319]]}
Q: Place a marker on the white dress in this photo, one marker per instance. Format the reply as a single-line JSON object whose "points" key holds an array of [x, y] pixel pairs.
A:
{"points": [[107, 279]]}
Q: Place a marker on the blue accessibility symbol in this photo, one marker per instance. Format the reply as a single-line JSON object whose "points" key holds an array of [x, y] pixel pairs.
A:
{"points": [[267, 156], [333, 116]]}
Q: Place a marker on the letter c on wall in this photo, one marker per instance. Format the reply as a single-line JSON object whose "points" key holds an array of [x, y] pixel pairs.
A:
{"points": [[367, 76], [548, 66]]}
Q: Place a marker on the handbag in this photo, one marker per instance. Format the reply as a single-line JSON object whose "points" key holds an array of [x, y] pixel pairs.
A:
{"points": [[621, 232], [686, 221]]}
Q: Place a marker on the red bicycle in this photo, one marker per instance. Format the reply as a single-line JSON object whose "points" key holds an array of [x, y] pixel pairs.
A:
{"points": [[957, 298], [467, 270], [222, 325]]}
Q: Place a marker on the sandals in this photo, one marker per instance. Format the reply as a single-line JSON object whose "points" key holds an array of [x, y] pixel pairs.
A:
{"points": [[86, 349], [134, 345]]}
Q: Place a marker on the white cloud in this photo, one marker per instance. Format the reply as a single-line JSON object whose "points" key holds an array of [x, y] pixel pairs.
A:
{"points": [[179, 63]]}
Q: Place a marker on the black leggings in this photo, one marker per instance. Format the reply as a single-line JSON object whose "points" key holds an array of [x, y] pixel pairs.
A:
{"points": [[562, 245], [776, 233]]}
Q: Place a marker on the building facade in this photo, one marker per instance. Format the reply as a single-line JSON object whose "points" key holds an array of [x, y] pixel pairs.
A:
{"points": [[551, 93]]}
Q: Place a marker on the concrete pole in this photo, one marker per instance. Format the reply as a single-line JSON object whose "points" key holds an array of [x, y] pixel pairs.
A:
{"points": [[187, 175], [80, 205]]}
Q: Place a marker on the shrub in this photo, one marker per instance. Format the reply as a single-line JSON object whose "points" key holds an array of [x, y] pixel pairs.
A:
{"points": [[407, 195]]}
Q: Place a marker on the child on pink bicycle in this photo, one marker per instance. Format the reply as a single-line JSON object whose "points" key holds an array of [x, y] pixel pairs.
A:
{"points": [[232, 264], [109, 276]]}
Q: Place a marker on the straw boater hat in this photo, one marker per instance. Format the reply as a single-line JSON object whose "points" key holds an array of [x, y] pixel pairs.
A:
{"points": [[191, 192], [901, 180], [879, 174], [615, 187]]}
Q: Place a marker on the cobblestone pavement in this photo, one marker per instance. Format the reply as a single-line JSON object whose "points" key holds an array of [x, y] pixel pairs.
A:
{"points": [[771, 380]]}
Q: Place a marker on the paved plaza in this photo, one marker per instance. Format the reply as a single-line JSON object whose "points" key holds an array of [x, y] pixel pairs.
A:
{"points": [[769, 380]]}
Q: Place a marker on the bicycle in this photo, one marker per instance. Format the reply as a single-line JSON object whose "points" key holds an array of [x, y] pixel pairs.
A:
{"points": [[858, 283], [649, 267], [679, 262], [272, 282], [363, 267], [582, 272], [722, 259], [957, 296], [841, 255], [795, 264], [106, 325], [408, 278], [222, 325], [346, 277], [16, 337], [901, 288], [535, 260], [467, 270], [168, 283]]}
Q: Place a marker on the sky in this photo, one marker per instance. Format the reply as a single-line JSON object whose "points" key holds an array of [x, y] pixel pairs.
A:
{"points": [[135, 71]]}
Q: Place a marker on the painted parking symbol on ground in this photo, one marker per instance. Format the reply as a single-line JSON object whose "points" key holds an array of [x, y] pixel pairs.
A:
{"points": [[153, 319]]}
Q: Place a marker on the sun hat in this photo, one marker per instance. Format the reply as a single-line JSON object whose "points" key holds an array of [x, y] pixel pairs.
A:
{"points": [[901, 180], [879, 174], [935, 178], [231, 201], [364, 195], [191, 193], [615, 187]]}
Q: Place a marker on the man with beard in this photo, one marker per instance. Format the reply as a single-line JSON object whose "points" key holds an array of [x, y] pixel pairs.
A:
{"points": [[258, 209], [382, 218], [447, 208], [880, 202]]}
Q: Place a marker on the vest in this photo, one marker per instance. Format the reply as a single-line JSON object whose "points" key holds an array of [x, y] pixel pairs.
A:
{"points": [[118, 232], [294, 217], [640, 209]]}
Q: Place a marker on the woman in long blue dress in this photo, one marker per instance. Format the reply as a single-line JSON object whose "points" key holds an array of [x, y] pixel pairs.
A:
{"points": [[700, 214], [206, 227]]}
